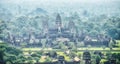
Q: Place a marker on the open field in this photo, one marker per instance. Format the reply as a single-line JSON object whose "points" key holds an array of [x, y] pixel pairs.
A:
{"points": [[79, 49]]}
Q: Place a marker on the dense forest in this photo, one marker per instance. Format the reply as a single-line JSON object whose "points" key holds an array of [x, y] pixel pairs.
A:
{"points": [[19, 21]]}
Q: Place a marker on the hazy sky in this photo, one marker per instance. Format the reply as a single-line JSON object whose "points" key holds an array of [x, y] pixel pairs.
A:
{"points": [[62, 3], [36, 2], [50, 1]]}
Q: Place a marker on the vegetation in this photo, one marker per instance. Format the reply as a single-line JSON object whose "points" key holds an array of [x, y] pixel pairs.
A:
{"points": [[25, 35], [14, 55], [10, 54]]}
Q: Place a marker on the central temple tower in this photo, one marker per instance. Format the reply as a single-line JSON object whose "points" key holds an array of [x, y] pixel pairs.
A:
{"points": [[58, 23]]}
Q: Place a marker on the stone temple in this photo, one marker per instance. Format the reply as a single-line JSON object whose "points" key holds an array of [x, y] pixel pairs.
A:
{"points": [[59, 32]]}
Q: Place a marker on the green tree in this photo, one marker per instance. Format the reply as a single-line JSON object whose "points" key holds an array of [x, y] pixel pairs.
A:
{"points": [[2, 51], [98, 58], [2, 27], [10, 54]]}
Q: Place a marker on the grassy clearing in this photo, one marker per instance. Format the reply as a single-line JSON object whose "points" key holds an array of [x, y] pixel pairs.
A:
{"points": [[36, 49], [118, 41], [81, 49]]}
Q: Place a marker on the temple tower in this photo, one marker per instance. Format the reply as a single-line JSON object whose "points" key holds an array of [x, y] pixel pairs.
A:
{"points": [[45, 27], [72, 28], [58, 23]]}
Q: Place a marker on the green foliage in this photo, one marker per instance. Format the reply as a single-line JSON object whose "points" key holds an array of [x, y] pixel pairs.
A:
{"points": [[2, 49], [2, 26], [98, 58], [72, 54], [116, 56], [37, 59], [10, 54], [108, 55], [36, 55]]}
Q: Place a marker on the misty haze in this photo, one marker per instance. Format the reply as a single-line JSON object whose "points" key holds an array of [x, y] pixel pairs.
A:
{"points": [[60, 31]]}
